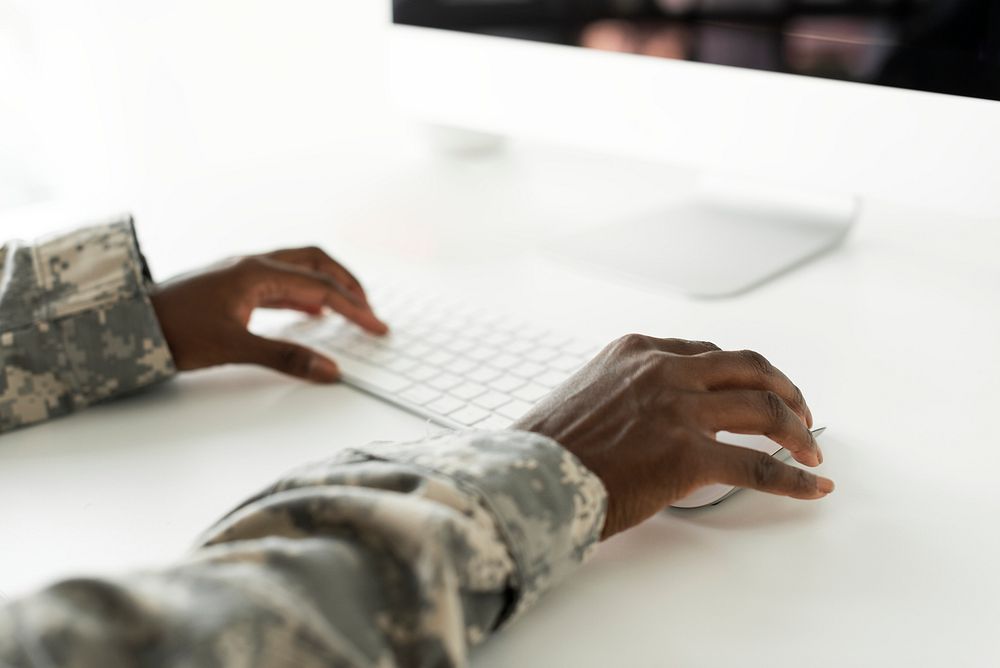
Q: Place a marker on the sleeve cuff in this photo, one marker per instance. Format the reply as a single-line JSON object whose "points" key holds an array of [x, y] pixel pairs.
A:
{"points": [[79, 326], [549, 508]]}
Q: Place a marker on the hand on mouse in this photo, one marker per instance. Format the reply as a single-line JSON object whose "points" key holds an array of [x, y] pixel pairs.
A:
{"points": [[204, 315], [643, 416]]}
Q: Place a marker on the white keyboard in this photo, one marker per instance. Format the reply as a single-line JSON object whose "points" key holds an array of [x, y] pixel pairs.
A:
{"points": [[461, 367]]}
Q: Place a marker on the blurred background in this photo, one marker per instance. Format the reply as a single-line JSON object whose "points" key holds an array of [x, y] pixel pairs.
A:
{"points": [[123, 104], [231, 126]]}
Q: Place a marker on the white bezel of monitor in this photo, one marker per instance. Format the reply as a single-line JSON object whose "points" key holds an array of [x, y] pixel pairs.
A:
{"points": [[859, 139]]}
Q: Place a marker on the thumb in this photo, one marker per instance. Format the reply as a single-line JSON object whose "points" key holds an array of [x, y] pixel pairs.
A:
{"points": [[289, 358]]}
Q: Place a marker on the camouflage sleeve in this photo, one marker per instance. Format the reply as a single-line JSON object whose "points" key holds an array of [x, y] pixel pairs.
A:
{"points": [[389, 555], [76, 324]]}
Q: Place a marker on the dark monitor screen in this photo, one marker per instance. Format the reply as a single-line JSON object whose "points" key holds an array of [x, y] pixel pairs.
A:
{"points": [[941, 46]]}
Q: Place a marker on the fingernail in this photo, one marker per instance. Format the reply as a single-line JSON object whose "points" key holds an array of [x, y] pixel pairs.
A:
{"points": [[322, 370], [824, 485]]}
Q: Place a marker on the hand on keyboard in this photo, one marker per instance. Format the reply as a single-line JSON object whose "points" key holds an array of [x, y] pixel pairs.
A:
{"points": [[204, 316], [458, 366], [643, 414]]}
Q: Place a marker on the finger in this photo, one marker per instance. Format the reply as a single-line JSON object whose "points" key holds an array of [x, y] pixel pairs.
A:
{"points": [[316, 259], [742, 467], [747, 369], [311, 309], [275, 281], [285, 357], [756, 412]]}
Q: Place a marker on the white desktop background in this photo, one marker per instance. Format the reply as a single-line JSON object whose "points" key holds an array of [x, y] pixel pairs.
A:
{"points": [[121, 102], [231, 126]]}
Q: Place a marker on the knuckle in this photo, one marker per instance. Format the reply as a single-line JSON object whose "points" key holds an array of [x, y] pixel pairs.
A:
{"points": [[709, 346], [652, 373], [293, 360], [763, 471], [673, 406], [685, 455], [680, 346], [248, 264], [633, 342], [629, 345], [804, 482], [680, 438], [798, 397], [774, 407], [757, 362], [315, 255]]}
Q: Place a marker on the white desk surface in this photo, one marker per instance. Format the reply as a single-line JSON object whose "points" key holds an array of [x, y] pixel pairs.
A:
{"points": [[894, 339]]}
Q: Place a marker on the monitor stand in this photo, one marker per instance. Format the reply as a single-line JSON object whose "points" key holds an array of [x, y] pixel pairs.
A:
{"points": [[723, 242]]}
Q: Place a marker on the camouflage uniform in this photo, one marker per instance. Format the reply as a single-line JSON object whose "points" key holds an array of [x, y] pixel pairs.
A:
{"points": [[390, 554], [76, 325]]}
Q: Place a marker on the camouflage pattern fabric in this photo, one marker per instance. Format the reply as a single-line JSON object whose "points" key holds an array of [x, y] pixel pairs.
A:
{"points": [[76, 324], [389, 555]]}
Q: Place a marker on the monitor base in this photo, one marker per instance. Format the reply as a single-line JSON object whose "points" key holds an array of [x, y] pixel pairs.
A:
{"points": [[711, 247], [460, 142]]}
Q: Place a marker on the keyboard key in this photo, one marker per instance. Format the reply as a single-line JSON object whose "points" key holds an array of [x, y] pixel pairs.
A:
{"points": [[580, 348], [469, 415], [476, 332], [566, 363], [552, 379], [402, 365], [507, 384], [418, 351], [542, 354], [519, 346], [531, 333], [505, 361], [484, 374], [467, 391], [444, 381], [556, 341], [514, 409], [528, 369], [445, 405], [437, 338], [513, 327], [373, 376], [438, 358], [381, 357], [422, 373], [460, 346], [531, 392], [482, 354], [420, 331], [451, 327], [496, 339], [492, 400], [420, 394], [399, 341], [460, 366], [494, 422], [361, 349]]}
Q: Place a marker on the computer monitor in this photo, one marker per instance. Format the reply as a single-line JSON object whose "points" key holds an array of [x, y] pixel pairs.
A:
{"points": [[828, 102]]}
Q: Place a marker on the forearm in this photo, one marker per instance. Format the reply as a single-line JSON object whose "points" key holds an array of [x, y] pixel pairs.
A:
{"points": [[76, 325], [393, 554]]}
